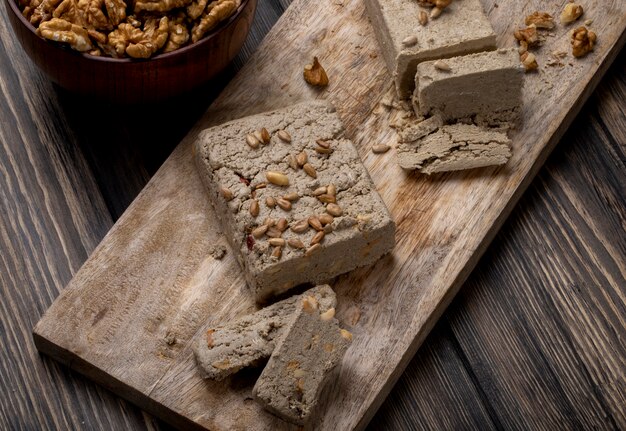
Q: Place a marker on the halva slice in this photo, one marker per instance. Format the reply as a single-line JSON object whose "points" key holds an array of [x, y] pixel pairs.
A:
{"points": [[455, 147], [294, 200], [462, 28], [487, 85], [247, 341], [292, 380]]}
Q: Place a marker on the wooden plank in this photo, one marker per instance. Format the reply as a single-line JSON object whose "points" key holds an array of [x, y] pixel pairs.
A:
{"points": [[150, 279], [437, 376], [573, 306]]}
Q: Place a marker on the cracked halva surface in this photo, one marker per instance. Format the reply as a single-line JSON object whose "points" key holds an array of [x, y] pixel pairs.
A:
{"points": [[472, 102], [455, 147], [359, 236], [250, 339]]}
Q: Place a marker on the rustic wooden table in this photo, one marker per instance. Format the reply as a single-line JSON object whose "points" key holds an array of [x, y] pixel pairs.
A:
{"points": [[535, 339]]}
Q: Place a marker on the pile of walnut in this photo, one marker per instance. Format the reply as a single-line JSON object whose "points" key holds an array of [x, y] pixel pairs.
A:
{"points": [[137, 29], [583, 40]]}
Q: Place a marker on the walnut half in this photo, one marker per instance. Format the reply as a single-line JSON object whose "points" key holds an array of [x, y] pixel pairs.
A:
{"points": [[315, 74], [529, 61], [541, 20], [63, 31], [214, 13], [583, 41], [571, 13], [527, 37], [179, 34]]}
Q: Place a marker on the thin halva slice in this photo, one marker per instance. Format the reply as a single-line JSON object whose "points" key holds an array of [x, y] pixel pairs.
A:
{"points": [[485, 85], [226, 349], [462, 28], [297, 209], [291, 382], [455, 147]]}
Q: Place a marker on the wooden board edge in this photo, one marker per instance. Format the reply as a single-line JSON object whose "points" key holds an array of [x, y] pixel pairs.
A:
{"points": [[119, 388], [475, 257]]}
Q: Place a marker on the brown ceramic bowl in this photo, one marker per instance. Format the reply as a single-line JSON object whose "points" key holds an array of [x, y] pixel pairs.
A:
{"points": [[136, 81]]}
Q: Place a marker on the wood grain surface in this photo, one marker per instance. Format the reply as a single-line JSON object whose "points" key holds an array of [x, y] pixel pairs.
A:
{"points": [[462, 378]]}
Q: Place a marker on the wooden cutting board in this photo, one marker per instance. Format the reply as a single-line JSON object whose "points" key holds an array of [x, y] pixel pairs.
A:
{"points": [[128, 318]]}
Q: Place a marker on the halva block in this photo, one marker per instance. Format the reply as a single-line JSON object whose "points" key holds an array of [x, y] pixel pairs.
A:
{"points": [[294, 200], [462, 28], [245, 342], [292, 380]]}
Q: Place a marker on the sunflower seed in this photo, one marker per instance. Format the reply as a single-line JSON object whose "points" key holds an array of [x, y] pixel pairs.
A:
{"points": [[327, 199], [277, 252], [441, 65], [277, 178], [423, 18], [380, 148], [302, 158], [314, 248], [284, 136], [259, 186], [300, 226], [270, 201], [319, 191], [315, 223], [227, 194], [331, 190], [254, 208], [282, 224], [328, 314], [277, 242], [293, 196], [265, 136], [284, 204], [318, 237], [252, 141], [292, 162], [259, 231], [321, 150], [295, 243], [328, 228], [334, 210], [273, 232], [310, 170], [409, 41], [323, 144], [269, 222], [326, 218]]}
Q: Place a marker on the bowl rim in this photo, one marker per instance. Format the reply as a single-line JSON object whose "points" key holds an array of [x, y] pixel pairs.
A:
{"points": [[15, 9]]}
